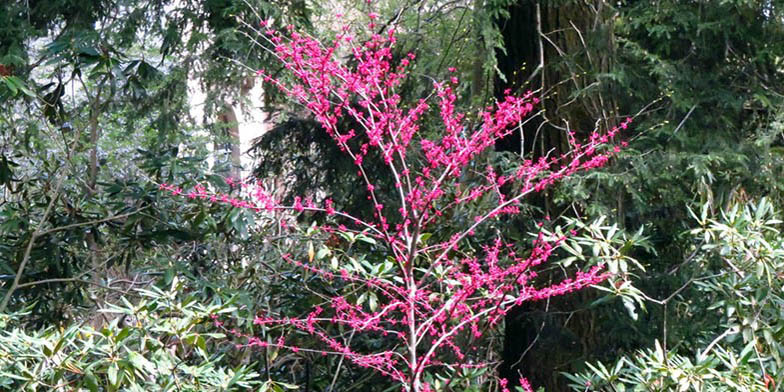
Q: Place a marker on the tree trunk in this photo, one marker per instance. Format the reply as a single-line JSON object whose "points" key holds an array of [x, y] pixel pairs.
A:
{"points": [[546, 51], [227, 120]]}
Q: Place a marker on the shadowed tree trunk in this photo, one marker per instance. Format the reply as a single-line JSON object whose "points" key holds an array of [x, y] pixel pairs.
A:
{"points": [[227, 121], [547, 52]]}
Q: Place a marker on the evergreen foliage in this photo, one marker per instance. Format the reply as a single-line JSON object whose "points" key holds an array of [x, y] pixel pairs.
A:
{"points": [[95, 113]]}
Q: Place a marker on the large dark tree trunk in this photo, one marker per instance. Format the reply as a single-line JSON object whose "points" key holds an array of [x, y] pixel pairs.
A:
{"points": [[544, 41], [518, 64]]}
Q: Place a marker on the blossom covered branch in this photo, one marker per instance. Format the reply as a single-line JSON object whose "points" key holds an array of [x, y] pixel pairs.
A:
{"points": [[435, 296]]}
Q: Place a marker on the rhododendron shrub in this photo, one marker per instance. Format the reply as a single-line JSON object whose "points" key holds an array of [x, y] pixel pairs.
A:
{"points": [[430, 298]]}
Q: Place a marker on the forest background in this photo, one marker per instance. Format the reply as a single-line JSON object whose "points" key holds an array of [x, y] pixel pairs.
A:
{"points": [[107, 283]]}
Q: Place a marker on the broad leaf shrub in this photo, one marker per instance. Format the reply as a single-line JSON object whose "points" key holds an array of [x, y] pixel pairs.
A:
{"points": [[737, 268], [164, 342], [597, 242], [427, 301]]}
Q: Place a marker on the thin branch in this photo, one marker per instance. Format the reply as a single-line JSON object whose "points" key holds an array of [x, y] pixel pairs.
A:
{"points": [[65, 280], [683, 121], [92, 222], [340, 363]]}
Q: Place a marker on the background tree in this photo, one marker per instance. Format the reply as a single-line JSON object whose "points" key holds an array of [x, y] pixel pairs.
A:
{"points": [[709, 90], [92, 87]]}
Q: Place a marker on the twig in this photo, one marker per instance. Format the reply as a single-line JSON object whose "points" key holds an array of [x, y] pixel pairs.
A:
{"points": [[92, 222], [60, 280], [340, 364], [683, 121]]}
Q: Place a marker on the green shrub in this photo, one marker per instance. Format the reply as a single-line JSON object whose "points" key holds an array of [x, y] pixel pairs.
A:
{"points": [[164, 342]]}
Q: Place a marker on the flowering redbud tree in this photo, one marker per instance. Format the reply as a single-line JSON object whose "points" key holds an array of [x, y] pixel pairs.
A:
{"points": [[433, 296]]}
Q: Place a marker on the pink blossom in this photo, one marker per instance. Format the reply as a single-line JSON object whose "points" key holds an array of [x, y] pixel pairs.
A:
{"points": [[431, 313]]}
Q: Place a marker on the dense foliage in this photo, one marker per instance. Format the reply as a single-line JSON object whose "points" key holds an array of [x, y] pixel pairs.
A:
{"points": [[107, 283]]}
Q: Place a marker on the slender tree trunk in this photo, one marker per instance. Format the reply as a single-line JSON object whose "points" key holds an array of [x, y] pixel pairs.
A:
{"points": [[416, 384], [478, 84], [92, 178], [96, 106]]}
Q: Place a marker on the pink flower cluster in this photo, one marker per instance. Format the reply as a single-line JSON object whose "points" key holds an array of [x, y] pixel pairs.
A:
{"points": [[443, 296]]}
